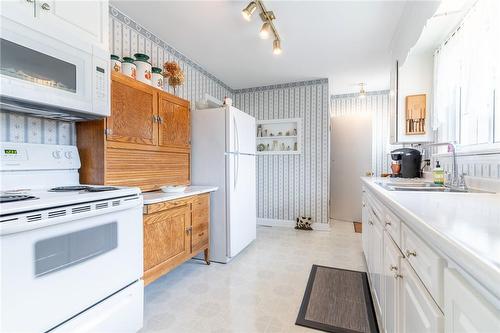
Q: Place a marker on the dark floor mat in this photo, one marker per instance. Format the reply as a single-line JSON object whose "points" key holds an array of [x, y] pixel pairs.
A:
{"points": [[337, 300]]}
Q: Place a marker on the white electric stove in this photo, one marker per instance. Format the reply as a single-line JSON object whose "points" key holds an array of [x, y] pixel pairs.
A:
{"points": [[71, 255]]}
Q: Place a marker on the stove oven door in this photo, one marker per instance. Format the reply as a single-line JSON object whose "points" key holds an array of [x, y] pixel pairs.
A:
{"points": [[51, 274]]}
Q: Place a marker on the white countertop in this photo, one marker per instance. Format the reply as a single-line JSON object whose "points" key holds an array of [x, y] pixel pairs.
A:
{"points": [[465, 227], [159, 196]]}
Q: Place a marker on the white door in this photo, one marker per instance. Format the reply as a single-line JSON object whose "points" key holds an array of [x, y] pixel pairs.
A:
{"points": [[466, 311], [241, 132], [418, 311], [351, 153], [240, 187]]}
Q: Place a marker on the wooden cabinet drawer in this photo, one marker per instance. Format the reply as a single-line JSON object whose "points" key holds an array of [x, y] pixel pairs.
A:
{"points": [[158, 207], [201, 219], [428, 265], [393, 226]]}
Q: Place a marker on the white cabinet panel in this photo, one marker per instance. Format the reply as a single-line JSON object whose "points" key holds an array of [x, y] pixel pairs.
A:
{"points": [[465, 310], [427, 263], [75, 21], [419, 312], [391, 284], [377, 243]]}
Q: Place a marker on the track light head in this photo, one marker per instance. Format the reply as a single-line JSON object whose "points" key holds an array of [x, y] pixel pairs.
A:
{"points": [[248, 11], [265, 31], [277, 47], [362, 91]]}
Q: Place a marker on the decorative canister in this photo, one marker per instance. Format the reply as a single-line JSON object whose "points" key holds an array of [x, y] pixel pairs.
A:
{"points": [[157, 77], [116, 64], [129, 68], [143, 68]]}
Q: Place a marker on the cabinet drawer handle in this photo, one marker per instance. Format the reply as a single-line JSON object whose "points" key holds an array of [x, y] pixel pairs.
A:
{"points": [[411, 253], [388, 223], [398, 276], [30, 1], [45, 6], [201, 234], [393, 268]]}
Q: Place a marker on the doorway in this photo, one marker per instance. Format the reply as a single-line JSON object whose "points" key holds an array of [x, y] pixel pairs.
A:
{"points": [[351, 158]]}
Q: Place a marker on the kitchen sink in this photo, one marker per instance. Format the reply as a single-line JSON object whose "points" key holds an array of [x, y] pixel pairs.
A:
{"points": [[425, 187]]}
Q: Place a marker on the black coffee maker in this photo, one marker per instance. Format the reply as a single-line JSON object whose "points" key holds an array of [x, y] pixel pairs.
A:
{"points": [[410, 160]]}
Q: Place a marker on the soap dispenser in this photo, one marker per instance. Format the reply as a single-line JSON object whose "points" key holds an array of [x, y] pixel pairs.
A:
{"points": [[438, 174]]}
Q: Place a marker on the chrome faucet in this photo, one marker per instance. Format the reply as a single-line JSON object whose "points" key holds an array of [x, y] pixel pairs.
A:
{"points": [[455, 180]]}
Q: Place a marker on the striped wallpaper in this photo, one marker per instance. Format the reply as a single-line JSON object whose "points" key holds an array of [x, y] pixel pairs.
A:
{"points": [[292, 185], [376, 103]]}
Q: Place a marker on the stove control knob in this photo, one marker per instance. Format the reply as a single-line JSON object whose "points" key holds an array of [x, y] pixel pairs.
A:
{"points": [[56, 154], [68, 155]]}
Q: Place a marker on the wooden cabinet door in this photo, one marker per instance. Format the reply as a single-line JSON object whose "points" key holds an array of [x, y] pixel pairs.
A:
{"points": [[418, 311], [175, 123], [167, 236], [201, 222], [133, 112]]}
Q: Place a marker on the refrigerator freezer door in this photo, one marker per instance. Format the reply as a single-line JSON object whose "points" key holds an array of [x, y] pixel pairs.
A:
{"points": [[240, 132], [242, 218]]}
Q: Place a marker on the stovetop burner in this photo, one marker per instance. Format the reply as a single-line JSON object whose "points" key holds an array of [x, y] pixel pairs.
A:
{"points": [[15, 197], [69, 188], [83, 188]]}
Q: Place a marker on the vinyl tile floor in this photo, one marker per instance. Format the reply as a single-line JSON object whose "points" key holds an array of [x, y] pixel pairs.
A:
{"points": [[258, 291]]}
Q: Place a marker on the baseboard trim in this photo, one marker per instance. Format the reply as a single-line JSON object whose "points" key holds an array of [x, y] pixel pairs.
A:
{"points": [[290, 224]]}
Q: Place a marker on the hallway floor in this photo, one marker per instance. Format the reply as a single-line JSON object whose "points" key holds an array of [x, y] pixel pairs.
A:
{"points": [[259, 291]]}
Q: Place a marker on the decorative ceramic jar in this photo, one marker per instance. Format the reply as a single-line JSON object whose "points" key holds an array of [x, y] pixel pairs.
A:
{"points": [[143, 68], [128, 67], [116, 64], [157, 77]]}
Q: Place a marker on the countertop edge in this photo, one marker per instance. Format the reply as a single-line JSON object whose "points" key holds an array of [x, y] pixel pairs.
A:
{"points": [[465, 258], [174, 196]]}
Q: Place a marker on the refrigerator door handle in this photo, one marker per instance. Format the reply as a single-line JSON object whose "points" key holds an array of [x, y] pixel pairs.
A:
{"points": [[236, 170], [236, 135]]}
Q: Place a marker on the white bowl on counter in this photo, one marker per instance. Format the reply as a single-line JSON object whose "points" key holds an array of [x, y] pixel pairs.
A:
{"points": [[173, 188]]}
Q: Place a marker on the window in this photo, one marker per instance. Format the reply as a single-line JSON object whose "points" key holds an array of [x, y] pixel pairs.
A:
{"points": [[467, 77]]}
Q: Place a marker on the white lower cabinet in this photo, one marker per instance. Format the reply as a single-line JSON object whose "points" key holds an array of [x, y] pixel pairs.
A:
{"points": [[376, 247], [418, 311], [465, 309], [391, 284]]}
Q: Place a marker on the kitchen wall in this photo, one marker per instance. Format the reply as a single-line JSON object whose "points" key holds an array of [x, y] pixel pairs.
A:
{"points": [[19, 128], [292, 185]]}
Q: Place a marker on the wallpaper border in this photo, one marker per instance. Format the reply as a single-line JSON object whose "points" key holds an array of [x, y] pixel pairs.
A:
{"points": [[280, 86], [116, 13], [368, 93]]}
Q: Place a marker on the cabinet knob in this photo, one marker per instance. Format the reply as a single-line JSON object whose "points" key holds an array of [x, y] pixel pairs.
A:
{"points": [[388, 223], [200, 234], [411, 253], [45, 6], [370, 222], [397, 276], [30, 1], [393, 268]]}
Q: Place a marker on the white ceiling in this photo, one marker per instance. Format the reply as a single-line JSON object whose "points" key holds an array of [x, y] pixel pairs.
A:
{"points": [[346, 41]]}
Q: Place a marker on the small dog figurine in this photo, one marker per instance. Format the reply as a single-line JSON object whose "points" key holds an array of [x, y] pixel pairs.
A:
{"points": [[304, 223]]}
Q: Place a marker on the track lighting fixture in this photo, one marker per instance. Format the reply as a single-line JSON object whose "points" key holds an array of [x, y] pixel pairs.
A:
{"points": [[268, 29], [277, 46], [362, 91], [248, 11], [265, 31]]}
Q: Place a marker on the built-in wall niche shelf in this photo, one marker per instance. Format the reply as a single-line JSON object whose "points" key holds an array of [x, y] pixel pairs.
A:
{"points": [[279, 136]]}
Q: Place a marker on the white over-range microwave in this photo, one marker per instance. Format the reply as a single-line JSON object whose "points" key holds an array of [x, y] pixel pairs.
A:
{"points": [[44, 76]]}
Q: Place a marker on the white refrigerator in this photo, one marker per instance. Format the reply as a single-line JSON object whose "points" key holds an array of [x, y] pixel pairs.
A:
{"points": [[223, 154]]}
